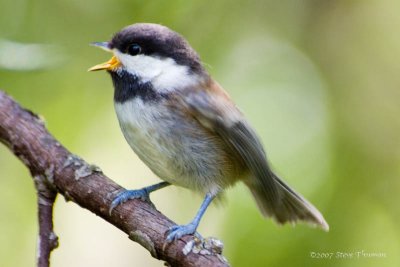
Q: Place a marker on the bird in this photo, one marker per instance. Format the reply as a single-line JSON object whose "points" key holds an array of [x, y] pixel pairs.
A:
{"points": [[185, 127]]}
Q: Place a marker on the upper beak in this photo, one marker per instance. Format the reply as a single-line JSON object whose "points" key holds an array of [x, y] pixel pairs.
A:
{"points": [[109, 65]]}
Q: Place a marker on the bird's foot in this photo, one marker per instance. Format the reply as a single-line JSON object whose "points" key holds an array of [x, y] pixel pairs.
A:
{"points": [[177, 231], [126, 195]]}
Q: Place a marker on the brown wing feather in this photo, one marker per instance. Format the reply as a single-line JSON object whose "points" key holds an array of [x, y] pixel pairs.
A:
{"points": [[212, 107]]}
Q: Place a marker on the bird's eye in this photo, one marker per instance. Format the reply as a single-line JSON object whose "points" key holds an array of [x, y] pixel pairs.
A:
{"points": [[134, 49]]}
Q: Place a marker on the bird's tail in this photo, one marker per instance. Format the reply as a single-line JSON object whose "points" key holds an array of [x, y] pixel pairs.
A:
{"points": [[291, 206]]}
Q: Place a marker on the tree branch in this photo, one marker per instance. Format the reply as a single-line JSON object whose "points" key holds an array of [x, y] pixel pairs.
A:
{"points": [[55, 169], [47, 238]]}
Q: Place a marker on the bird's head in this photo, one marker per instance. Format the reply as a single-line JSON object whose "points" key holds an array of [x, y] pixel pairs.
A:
{"points": [[152, 53]]}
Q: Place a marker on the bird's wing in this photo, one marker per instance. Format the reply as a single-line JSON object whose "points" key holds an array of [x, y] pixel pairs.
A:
{"points": [[212, 107], [214, 110]]}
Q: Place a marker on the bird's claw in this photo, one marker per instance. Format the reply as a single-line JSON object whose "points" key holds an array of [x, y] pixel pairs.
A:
{"points": [[127, 195], [177, 231]]}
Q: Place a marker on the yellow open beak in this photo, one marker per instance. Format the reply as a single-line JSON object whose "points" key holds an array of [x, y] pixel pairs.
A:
{"points": [[113, 63]]}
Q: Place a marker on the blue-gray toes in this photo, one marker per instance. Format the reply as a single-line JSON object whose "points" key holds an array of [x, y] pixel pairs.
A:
{"points": [[177, 231], [127, 195]]}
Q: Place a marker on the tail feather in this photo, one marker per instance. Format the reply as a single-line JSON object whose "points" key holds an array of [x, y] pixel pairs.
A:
{"points": [[292, 207]]}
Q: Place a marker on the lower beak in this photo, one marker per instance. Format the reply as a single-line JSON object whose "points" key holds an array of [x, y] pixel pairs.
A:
{"points": [[113, 63]]}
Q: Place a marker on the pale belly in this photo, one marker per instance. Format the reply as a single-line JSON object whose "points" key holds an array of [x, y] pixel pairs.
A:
{"points": [[175, 149]]}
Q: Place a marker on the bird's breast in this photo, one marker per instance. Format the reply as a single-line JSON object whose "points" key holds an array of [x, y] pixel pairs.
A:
{"points": [[174, 147]]}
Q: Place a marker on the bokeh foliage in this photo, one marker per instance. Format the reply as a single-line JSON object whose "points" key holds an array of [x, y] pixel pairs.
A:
{"points": [[317, 79]]}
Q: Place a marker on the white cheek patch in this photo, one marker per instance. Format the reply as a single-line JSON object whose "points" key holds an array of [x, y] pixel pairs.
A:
{"points": [[164, 73]]}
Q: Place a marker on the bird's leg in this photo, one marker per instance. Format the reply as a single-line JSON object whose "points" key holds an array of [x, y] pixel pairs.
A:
{"points": [[177, 231], [143, 194]]}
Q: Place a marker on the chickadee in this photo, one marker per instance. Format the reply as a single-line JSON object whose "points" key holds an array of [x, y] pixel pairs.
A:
{"points": [[186, 129]]}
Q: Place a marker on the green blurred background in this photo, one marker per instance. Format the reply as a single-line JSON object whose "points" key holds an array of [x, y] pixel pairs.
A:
{"points": [[319, 80]]}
